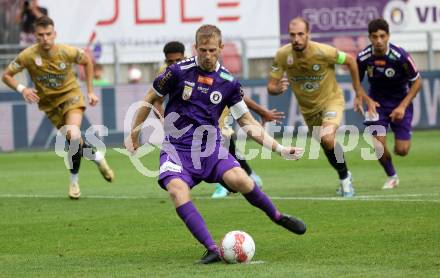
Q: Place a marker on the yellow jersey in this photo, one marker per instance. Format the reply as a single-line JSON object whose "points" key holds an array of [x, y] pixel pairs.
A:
{"points": [[312, 77], [52, 72], [162, 68]]}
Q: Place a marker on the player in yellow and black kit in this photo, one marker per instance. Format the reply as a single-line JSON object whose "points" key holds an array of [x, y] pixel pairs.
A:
{"points": [[310, 70], [57, 92]]}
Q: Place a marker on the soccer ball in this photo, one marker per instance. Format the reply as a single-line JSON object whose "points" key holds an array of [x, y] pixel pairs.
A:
{"points": [[237, 247]]}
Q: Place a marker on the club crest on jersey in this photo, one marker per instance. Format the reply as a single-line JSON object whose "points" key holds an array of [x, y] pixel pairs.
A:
{"points": [[290, 60], [215, 97], [389, 72], [187, 92], [316, 67], [62, 66], [38, 61]]}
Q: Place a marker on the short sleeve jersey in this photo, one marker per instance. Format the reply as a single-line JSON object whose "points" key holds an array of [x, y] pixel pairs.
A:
{"points": [[51, 73], [312, 77], [197, 96], [389, 75]]}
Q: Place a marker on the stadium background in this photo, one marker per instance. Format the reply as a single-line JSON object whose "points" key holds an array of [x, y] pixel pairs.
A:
{"points": [[130, 229], [122, 34]]}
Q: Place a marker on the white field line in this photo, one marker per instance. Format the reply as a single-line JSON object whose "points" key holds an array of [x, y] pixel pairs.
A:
{"points": [[380, 198]]}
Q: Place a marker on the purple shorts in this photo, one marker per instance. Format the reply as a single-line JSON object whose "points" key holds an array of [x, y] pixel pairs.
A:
{"points": [[192, 168], [402, 129]]}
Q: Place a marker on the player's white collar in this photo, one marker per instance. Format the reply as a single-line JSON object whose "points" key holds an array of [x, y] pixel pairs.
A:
{"points": [[217, 65]]}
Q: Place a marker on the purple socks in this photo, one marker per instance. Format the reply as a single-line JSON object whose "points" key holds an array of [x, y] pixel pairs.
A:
{"points": [[195, 223], [260, 200]]}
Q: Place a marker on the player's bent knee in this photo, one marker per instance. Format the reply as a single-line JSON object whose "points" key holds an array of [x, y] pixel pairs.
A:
{"points": [[237, 179], [328, 142], [178, 191]]}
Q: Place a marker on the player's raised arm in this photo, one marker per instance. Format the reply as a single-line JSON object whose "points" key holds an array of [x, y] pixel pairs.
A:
{"points": [[257, 132]]}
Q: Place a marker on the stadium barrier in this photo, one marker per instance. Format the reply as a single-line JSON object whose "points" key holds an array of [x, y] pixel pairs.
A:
{"points": [[24, 126]]}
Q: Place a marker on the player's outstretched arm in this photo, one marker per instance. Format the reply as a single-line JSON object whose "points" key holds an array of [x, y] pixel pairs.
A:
{"points": [[350, 62], [265, 114], [257, 132], [132, 141], [29, 94]]}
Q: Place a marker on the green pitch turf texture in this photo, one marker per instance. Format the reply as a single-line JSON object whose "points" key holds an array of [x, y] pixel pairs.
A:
{"points": [[130, 229]]}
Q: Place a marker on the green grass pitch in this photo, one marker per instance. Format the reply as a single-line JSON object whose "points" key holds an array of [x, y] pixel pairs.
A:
{"points": [[130, 229]]}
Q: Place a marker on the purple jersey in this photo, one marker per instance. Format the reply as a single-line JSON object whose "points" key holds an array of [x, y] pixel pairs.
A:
{"points": [[198, 97], [389, 75]]}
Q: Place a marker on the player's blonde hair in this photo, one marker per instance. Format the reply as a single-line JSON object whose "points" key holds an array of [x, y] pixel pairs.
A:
{"points": [[208, 31]]}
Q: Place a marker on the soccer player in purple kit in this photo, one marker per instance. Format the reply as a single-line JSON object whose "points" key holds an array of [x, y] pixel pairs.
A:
{"points": [[394, 82], [199, 89]]}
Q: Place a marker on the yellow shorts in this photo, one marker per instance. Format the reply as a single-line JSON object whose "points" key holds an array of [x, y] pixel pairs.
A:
{"points": [[57, 106], [330, 114]]}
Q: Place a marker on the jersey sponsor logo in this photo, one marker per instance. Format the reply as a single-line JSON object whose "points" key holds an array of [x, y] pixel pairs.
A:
{"points": [[380, 69], [62, 66], [310, 86], [380, 63], [192, 84], [170, 166], [205, 80], [187, 92], [289, 60], [215, 97], [389, 72], [307, 78], [38, 61], [226, 76], [202, 89], [316, 67], [51, 80]]}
